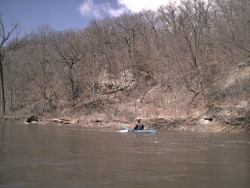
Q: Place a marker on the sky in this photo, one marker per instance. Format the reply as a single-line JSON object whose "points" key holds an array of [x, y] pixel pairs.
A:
{"points": [[63, 15]]}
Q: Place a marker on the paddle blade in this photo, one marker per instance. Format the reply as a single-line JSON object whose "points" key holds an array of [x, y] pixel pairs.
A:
{"points": [[127, 128], [123, 131]]}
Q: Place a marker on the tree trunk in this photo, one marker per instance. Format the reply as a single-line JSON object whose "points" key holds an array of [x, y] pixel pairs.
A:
{"points": [[2, 83]]}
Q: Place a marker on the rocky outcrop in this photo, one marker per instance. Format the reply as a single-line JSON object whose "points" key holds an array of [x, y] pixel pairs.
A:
{"points": [[166, 124], [125, 79], [229, 118], [228, 115], [230, 97], [217, 119]]}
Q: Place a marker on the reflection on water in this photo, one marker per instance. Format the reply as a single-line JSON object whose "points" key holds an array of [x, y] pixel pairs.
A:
{"points": [[70, 156]]}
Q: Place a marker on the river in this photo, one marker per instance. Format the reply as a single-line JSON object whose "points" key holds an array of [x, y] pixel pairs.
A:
{"points": [[73, 156]]}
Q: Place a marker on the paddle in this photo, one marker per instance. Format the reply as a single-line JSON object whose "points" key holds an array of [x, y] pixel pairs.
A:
{"points": [[129, 129]]}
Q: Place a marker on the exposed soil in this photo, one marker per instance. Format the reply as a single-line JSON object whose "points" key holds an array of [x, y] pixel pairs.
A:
{"points": [[228, 111]]}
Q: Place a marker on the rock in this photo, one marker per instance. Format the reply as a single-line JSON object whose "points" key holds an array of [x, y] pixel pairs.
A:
{"points": [[244, 63], [231, 118], [208, 118], [96, 121], [32, 118], [123, 80], [242, 104], [63, 121]]}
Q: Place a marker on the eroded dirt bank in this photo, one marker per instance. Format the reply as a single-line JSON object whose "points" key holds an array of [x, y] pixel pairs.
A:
{"points": [[217, 119], [228, 109]]}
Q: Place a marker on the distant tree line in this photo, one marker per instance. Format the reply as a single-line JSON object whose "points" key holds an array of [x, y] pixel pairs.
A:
{"points": [[187, 47]]}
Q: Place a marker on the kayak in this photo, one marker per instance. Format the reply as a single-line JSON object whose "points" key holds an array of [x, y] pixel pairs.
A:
{"points": [[140, 131]]}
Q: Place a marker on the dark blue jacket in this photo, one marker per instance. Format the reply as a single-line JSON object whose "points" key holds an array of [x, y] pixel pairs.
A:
{"points": [[139, 126]]}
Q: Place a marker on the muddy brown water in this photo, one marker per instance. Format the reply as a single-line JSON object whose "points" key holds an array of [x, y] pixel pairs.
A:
{"points": [[73, 156]]}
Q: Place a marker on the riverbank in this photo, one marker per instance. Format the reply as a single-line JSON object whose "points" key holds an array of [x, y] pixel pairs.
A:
{"points": [[217, 119], [227, 107]]}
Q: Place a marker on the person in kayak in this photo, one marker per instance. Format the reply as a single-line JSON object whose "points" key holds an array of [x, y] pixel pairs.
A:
{"points": [[139, 125]]}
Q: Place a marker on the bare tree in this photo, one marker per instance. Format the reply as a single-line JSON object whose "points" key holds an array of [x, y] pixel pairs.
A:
{"points": [[233, 25], [188, 29], [43, 63], [12, 36], [93, 58], [71, 51]]}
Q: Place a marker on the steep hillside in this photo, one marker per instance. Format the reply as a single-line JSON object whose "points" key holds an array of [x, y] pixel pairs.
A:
{"points": [[176, 68], [230, 99], [229, 109], [159, 108]]}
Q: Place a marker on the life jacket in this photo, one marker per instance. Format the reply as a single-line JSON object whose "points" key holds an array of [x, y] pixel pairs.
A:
{"points": [[140, 126]]}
